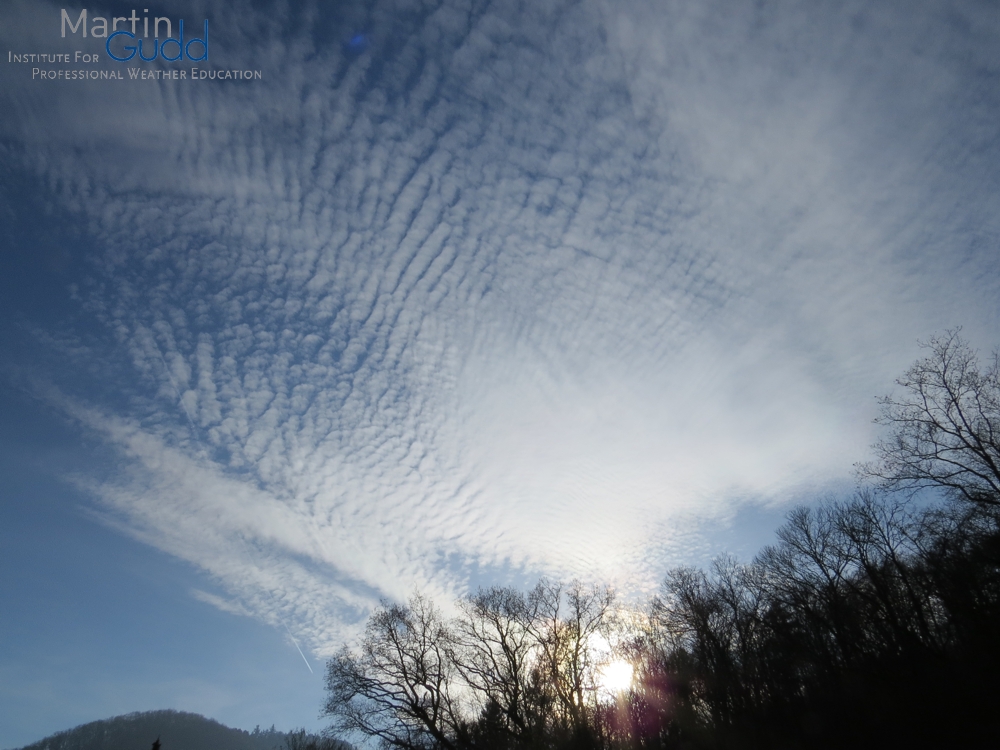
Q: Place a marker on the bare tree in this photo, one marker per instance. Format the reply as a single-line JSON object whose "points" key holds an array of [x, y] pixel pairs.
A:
{"points": [[495, 652], [299, 739], [513, 670], [881, 535], [944, 430], [717, 619], [399, 687], [566, 624]]}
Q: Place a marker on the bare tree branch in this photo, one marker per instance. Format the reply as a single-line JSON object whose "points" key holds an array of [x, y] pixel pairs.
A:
{"points": [[944, 430]]}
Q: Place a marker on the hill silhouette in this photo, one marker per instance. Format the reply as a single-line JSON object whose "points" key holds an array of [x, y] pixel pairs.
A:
{"points": [[176, 730]]}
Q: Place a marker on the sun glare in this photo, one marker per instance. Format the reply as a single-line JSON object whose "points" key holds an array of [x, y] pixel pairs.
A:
{"points": [[615, 677]]}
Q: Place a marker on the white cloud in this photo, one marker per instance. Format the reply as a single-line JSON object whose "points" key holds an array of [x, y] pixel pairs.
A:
{"points": [[516, 290]]}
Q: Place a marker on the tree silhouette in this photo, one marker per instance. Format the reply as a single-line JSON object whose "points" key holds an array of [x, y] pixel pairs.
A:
{"points": [[400, 688], [870, 622], [945, 427]]}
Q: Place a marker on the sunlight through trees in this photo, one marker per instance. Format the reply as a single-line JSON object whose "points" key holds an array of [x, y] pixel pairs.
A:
{"points": [[870, 622]]}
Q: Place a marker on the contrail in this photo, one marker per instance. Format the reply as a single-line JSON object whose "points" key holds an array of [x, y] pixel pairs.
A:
{"points": [[297, 647], [246, 548]]}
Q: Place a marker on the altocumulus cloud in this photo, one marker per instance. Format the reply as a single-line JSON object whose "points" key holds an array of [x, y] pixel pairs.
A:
{"points": [[511, 286]]}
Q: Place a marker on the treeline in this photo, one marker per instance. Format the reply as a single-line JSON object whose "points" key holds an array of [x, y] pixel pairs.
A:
{"points": [[871, 622]]}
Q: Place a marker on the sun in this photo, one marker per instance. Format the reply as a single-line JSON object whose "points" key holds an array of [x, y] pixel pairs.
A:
{"points": [[615, 677]]}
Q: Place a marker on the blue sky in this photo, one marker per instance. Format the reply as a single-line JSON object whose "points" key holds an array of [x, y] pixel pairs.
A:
{"points": [[455, 293]]}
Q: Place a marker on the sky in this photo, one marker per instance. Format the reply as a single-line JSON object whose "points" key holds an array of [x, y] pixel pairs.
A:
{"points": [[454, 293]]}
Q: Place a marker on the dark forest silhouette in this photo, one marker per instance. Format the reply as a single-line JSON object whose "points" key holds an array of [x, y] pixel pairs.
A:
{"points": [[178, 730], [870, 622]]}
